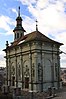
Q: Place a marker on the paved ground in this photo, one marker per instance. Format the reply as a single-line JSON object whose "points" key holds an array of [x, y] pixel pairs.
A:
{"points": [[61, 94]]}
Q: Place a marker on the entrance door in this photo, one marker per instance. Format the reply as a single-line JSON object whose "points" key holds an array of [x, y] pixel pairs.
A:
{"points": [[27, 82]]}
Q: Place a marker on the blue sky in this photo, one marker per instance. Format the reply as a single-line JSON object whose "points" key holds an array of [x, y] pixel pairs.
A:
{"points": [[51, 16]]}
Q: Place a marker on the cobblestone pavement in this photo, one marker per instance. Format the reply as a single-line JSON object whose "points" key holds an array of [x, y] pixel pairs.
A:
{"points": [[61, 94]]}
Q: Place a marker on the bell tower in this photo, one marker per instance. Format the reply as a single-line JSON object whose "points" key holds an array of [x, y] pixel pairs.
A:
{"points": [[18, 30]]}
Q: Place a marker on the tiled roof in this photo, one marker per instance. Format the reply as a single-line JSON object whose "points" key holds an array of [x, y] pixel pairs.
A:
{"points": [[36, 35]]}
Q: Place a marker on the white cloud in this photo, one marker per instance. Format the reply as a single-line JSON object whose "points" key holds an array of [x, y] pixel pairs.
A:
{"points": [[50, 14], [42, 4], [51, 19], [9, 32], [2, 63], [27, 2], [29, 24], [14, 10], [2, 59], [5, 23]]}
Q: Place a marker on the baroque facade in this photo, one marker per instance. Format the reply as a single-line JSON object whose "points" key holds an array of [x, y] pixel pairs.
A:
{"points": [[32, 60]]}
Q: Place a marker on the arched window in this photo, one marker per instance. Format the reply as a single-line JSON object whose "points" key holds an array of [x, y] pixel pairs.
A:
{"points": [[17, 35], [21, 34]]}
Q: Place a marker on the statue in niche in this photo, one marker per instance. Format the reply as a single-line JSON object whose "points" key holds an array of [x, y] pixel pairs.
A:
{"points": [[19, 71], [39, 72], [33, 71], [13, 70], [26, 73]]}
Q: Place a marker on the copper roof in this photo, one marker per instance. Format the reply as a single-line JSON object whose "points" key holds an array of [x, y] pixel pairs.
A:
{"points": [[17, 28]]}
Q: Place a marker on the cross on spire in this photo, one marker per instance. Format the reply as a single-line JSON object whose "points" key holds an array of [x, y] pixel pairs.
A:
{"points": [[36, 25]]}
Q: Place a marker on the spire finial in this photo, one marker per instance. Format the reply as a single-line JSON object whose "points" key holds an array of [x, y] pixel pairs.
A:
{"points": [[19, 11], [36, 25]]}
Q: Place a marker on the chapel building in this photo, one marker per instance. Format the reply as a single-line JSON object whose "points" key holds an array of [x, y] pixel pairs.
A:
{"points": [[32, 60]]}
